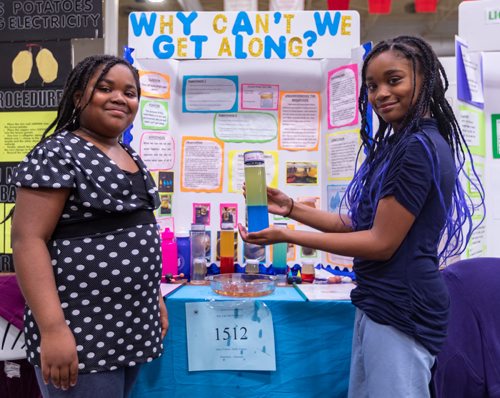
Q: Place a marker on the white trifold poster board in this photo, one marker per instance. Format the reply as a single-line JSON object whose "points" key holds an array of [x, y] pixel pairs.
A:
{"points": [[215, 85], [478, 71]]}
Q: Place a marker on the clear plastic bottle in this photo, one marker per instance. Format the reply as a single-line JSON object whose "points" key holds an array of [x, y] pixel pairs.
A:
{"points": [[252, 266], [256, 191], [183, 253], [198, 264]]}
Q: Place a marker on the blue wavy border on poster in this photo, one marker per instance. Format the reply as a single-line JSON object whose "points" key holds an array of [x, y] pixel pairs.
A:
{"points": [[127, 136]]}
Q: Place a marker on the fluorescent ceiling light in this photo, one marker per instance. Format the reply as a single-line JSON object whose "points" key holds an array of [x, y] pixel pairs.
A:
{"points": [[155, 1]]}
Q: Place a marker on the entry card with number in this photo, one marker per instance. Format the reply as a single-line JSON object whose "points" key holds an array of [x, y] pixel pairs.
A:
{"points": [[230, 335]]}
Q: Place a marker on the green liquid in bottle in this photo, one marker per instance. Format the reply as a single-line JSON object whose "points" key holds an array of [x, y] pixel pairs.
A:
{"points": [[255, 181]]}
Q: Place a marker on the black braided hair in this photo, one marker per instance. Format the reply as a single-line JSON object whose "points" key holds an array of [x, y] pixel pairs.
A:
{"points": [[68, 116], [431, 98]]}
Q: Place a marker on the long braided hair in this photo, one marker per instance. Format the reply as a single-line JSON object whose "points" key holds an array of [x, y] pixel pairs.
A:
{"points": [[68, 115], [377, 146]]}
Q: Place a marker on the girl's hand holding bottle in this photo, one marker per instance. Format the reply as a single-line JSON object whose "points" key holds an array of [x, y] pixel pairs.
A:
{"points": [[277, 202]]}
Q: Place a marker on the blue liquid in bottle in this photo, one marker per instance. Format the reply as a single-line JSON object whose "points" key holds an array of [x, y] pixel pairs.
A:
{"points": [[258, 218]]}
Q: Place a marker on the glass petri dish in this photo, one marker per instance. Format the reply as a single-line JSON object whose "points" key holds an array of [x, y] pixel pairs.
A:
{"points": [[242, 285]]}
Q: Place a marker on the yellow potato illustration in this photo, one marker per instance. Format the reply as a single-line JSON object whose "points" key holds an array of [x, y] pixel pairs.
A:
{"points": [[47, 65], [21, 66]]}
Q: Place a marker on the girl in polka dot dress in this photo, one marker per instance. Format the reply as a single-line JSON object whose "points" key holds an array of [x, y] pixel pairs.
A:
{"points": [[85, 244]]}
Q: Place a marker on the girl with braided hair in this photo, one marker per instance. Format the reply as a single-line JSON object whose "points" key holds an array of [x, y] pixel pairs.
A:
{"points": [[404, 201], [85, 244]]}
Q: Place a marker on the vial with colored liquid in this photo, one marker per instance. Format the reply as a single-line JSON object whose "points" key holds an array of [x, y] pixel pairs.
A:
{"points": [[279, 257], [227, 248], [308, 270], [252, 266], [256, 191]]}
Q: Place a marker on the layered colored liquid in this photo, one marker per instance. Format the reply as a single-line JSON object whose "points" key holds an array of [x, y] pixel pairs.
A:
{"points": [[256, 197], [279, 257]]}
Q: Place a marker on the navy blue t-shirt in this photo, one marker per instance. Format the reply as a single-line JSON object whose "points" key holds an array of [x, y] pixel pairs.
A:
{"points": [[407, 291]]}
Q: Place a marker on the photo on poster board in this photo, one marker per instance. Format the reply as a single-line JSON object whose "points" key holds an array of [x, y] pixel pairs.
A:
{"points": [[165, 204], [308, 252], [260, 96], [201, 213], [302, 173], [228, 213], [166, 181], [334, 195]]}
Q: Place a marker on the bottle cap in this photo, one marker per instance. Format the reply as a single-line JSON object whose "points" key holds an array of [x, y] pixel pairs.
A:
{"points": [[197, 227], [167, 234], [253, 156], [227, 225], [182, 234]]}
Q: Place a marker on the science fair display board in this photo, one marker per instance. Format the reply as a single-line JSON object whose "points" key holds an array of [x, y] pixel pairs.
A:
{"points": [[478, 92], [215, 85]]}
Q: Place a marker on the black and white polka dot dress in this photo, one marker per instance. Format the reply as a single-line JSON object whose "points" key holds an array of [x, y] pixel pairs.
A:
{"points": [[108, 282]]}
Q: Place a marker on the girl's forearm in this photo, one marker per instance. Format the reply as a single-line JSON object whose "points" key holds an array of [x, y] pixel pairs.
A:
{"points": [[36, 280], [319, 219], [362, 244]]}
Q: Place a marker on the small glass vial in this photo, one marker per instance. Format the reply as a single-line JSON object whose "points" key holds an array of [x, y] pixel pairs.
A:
{"points": [[252, 266], [198, 270], [307, 270]]}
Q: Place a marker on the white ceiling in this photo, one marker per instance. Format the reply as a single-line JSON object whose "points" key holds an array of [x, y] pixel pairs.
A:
{"points": [[438, 28]]}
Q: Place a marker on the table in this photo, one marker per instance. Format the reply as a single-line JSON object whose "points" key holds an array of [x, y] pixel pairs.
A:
{"points": [[313, 348]]}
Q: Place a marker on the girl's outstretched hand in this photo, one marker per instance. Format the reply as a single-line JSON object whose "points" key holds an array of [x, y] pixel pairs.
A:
{"points": [[265, 237]]}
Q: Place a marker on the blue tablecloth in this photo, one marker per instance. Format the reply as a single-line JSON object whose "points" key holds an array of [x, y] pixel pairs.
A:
{"points": [[313, 348]]}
